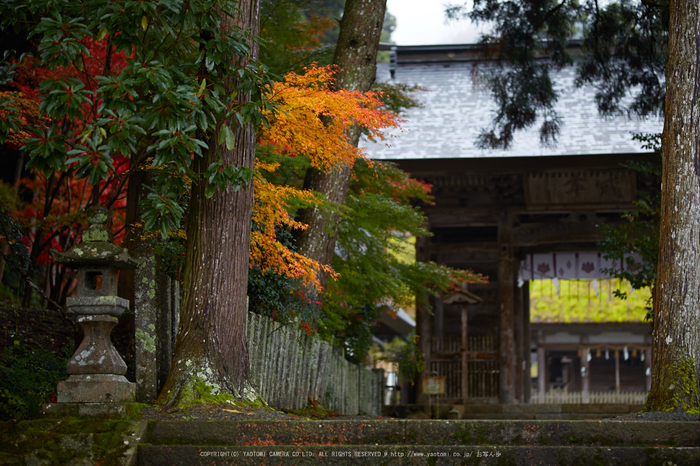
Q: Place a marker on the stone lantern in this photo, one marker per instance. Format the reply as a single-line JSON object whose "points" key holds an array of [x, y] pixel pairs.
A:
{"points": [[96, 370]]}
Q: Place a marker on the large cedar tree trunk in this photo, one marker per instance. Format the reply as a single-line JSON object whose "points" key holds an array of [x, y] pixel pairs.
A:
{"points": [[356, 58], [211, 344], [676, 337]]}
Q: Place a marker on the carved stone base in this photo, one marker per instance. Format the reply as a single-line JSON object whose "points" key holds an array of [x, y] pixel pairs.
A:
{"points": [[96, 354], [96, 388]]}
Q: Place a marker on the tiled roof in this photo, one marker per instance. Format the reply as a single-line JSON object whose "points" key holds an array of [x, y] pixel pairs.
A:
{"points": [[456, 108]]}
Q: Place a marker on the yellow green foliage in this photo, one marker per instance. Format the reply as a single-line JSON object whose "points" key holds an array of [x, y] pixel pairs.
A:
{"points": [[578, 301]]}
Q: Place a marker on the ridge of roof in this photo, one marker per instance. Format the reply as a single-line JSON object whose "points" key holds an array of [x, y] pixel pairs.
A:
{"points": [[403, 54]]}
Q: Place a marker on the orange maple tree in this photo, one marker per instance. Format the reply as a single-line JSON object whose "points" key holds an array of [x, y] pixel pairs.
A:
{"points": [[271, 210], [311, 120]]}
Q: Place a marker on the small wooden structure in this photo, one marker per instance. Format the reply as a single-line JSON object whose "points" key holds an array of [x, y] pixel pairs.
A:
{"points": [[463, 298]]}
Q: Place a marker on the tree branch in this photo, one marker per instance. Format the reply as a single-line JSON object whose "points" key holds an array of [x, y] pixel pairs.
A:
{"points": [[41, 292]]}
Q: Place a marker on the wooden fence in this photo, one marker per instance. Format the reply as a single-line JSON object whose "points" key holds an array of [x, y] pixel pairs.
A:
{"points": [[559, 397], [288, 366]]}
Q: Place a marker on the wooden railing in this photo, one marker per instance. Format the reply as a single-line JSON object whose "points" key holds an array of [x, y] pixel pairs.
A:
{"points": [[559, 397], [288, 367]]}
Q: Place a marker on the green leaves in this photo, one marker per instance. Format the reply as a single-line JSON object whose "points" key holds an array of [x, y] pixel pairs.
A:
{"points": [[226, 135], [47, 152], [143, 80], [220, 175], [92, 159], [162, 212], [64, 98], [639, 235], [61, 39]]}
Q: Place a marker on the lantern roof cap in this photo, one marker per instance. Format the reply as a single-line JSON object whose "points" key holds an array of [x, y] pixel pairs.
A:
{"points": [[97, 247]]}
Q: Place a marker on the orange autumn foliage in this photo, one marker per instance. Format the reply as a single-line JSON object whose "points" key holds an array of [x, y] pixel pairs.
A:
{"points": [[26, 109], [312, 120], [271, 209]]}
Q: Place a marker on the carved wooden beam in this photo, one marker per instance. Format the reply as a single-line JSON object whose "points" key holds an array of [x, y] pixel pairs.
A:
{"points": [[535, 234], [460, 216], [463, 248]]}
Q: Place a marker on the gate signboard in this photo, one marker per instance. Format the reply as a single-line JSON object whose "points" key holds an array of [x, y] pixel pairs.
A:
{"points": [[433, 385]]}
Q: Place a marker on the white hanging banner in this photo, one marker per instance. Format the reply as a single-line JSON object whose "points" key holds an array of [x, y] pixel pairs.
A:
{"points": [[570, 266]]}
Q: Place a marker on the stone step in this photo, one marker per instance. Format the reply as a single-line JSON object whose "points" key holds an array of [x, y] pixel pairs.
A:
{"points": [[99, 441], [188, 455], [466, 433]]}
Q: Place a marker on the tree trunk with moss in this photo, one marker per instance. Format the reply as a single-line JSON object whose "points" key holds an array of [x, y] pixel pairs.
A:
{"points": [[676, 337], [211, 352], [356, 58]]}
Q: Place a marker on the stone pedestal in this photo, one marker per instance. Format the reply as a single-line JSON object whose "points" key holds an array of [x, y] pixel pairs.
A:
{"points": [[96, 388], [96, 354], [96, 370]]}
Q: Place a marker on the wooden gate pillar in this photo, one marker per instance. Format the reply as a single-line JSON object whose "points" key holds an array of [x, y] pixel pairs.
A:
{"points": [[506, 301], [519, 337], [527, 343], [423, 323]]}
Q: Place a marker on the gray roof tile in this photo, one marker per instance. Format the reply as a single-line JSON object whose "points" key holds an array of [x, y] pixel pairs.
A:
{"points": [[456, 109]]}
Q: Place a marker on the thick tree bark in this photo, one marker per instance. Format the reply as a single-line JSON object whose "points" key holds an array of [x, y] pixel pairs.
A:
{"points": [[356, 58], [211, 346], [676, 337]]}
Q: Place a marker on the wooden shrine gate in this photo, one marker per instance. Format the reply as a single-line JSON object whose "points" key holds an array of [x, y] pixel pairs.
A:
{"points": [[482, 369]]}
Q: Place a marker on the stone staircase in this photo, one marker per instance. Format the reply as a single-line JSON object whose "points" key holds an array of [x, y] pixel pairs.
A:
{"points": [[488, 442]]}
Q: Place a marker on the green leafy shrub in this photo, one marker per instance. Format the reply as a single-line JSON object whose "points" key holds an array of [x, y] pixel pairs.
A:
{"points": [[640, 233], [27, 380], [406, 354]]}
